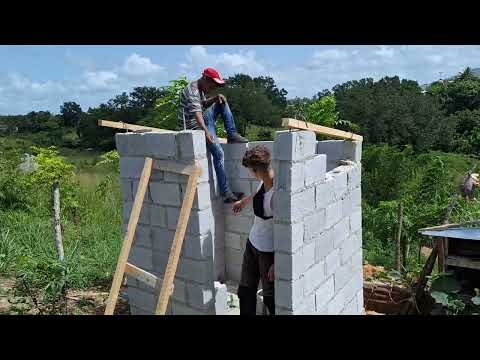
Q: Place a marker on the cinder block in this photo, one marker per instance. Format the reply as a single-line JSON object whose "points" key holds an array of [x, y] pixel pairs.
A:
{"points": [[347, 249], [288, 294], [307, 307], [200, 296], [179, 290], [323, 245], [288, 237], [141, 299], [121, 142], [292, 208], [354, 177], [198, 247], [357, 198], [282, 311], [351, 308], [340, 184], [343, 274], [289, 266], [203, 164], [181, 309], [131, 167], [324, 194], [143, 236], [197, 271], [347, 206], [191, 144], [141, 257], [294, 145], [336, 305], [202, 196], [353, 150], [161, 145], [160, 260], [232, 240], [219, 262], [314, 277], [157, 175], [165, 193], [158, 216], [333, 149], [353, 286], [131, 281], [234, 151], [290, 176], [315, 170], [238, 223], [144, 218], [308, 255], [360, 303], [241, 186], [162, 239], [147, 198], [355, 220], [333, 214], [221, 299], [233, 256], [232, 169], [233, 272], [333, 262], [340, 232], [199, 222], [137, 311], [324, 293], [314, 225], [126, 188]]}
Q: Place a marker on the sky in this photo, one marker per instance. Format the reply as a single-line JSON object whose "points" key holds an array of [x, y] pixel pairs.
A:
{"points": [[43, 77]]}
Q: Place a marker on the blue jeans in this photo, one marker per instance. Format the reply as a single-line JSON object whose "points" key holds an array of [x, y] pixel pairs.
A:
{"points": [[209, 116]]}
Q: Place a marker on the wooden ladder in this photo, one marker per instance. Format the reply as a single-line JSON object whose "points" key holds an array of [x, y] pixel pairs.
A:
{"points": [[123, 266]]}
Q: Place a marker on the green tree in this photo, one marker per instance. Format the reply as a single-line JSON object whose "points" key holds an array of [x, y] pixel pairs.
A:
{"points": [[70, 112]]}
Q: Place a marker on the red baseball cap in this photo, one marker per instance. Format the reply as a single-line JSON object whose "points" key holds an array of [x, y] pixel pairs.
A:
{"points": [[214, 75]]}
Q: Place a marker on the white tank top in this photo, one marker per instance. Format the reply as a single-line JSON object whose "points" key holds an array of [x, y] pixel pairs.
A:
{"points": [[261, 234]]}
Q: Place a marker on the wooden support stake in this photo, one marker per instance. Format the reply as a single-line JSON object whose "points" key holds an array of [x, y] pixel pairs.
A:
{"points": [[128, 239], [441, 255], [167, 283], [322, 130], [398, 249]]}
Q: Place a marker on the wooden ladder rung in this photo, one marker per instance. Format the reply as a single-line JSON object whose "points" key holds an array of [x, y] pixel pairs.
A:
{"points": [[142, 275]]}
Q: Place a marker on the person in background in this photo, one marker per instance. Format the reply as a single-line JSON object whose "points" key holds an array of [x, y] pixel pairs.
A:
{"points": [[196, 112], [258, 258]]}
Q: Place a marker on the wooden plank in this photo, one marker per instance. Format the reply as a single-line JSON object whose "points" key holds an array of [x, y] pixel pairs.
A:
{"points": [[128, 239], [132, 127], [142, 275], [463, 262], [175, 167], [177, 242], [448, 226], [323, 130], [441, 254]]}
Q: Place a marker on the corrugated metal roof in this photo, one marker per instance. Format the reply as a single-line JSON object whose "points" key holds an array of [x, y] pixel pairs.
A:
{"points": [[457, 233]]}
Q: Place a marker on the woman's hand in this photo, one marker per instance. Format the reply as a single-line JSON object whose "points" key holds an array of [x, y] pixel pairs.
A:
{"points": [[238, 206], [271, 274]]}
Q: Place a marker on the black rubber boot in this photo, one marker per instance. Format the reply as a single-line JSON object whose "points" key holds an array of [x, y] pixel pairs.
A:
{"points": [[248, 301], [269, 302]]}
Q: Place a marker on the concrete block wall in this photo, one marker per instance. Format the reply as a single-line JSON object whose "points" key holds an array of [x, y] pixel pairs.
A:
{"points": [[317, 231], [237, 227], [195, 289]]}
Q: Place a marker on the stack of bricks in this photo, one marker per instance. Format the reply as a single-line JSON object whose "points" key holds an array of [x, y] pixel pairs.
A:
{"points": [[237, 227], [317, 227], [194, 288]]}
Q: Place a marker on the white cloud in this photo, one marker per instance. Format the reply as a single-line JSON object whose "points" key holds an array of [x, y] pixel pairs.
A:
{"points": [[100, 79], [385, 52], [136, 65]]}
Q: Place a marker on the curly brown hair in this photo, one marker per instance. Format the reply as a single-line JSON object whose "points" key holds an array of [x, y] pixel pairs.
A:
{"points": [[257, 158]]}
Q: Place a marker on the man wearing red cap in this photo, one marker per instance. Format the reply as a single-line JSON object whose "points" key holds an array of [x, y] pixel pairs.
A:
{"points": [[196, 112]]}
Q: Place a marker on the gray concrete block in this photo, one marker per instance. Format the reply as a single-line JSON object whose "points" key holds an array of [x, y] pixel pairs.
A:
{"points": [[162, 239], [340, 232], [324, 293], [221, 299], [131, 281], [121, 143], [234, 151], [191, 144], [233, 272], [131, 167], [347, 249], [314, 225], [198, 247], [336, 305], [195, 270], [340, 184], [332, 261], [288, 294], [360, 303], [142, 300], [219, 264], [353, 150], [158, 216], [315, 170], [351, 308], [147, 198], [126, 188], [314, 277], [160, 261], [238, 223], [357, 198], [292, 208], [308, 255], [157, 175], [324, 194], [179, 290], [347, 206], [200, 296], [199, 222], [350, 290], [282, 311], [202, 198], [165, 193], [354, 178], [355, 221], [333, 214], [179, 308], [233, 256], [137, 311], [143, 236], [294, 145], [333, 149], [307, 307], [289, 266], [323, 245], [343, 274], [288, 237], [290, 176], [241, 186], [161, 145], [232, 168], [141, 257]]}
